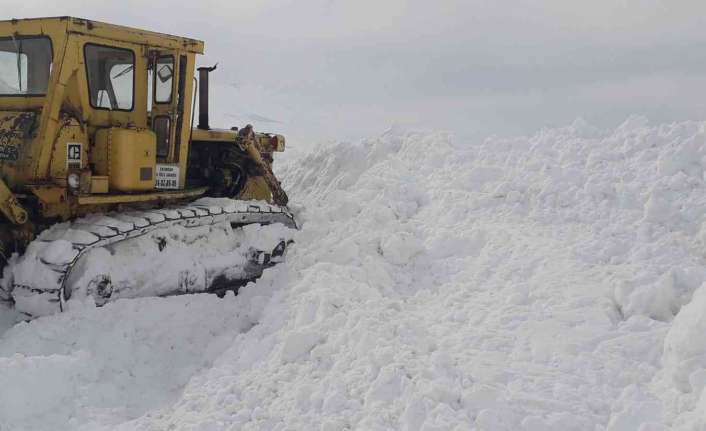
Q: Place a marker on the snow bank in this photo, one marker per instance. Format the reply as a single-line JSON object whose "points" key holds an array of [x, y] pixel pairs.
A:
{"points": [[685, 365], [514, 284]]}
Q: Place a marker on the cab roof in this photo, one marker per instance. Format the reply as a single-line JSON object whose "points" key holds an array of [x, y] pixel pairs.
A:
{"points": [[48, 25]]}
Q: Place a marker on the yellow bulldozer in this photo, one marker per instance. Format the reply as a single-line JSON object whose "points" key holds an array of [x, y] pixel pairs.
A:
{"points": [[104, 177]]}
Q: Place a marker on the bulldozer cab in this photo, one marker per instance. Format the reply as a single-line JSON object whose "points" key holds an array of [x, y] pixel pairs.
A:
{"points": [[101, 107], [96, 117]]}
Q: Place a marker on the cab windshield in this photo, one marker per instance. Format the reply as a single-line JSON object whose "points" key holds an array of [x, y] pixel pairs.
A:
{"points": [[25, 65]]}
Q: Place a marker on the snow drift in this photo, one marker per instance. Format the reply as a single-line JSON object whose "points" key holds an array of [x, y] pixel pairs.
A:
{"points": [[554, 282]]}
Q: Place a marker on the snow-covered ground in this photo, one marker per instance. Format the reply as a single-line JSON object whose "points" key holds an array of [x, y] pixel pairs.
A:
{"points": [[554, 282]]}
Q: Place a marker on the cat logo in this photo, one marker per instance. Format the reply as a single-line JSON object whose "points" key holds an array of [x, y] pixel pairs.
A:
{"points": [[73, 155]]}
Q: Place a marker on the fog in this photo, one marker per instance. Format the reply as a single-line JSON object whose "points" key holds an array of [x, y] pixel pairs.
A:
{"points": [[321, 70]]}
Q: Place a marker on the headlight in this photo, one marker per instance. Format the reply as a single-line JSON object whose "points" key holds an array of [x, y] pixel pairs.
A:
{"points": [[74, 181]]}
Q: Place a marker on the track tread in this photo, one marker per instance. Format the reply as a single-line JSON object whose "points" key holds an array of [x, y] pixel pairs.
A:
{"points": [[103, 230]]}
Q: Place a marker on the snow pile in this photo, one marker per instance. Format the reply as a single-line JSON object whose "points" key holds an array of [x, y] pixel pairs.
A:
{"points": [[639, 193], [516, 284], [685, 363]]}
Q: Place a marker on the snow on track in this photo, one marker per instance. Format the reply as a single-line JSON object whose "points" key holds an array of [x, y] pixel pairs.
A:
{"points": [[546, 283]]}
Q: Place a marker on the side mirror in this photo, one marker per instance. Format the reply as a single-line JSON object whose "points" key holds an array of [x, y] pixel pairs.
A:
{"points": [[165, 73]]}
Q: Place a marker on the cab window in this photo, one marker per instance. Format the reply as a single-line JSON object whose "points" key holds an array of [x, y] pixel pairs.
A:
{"points": [[163, 83], [25, 65], [111, 77], [160, 125]]}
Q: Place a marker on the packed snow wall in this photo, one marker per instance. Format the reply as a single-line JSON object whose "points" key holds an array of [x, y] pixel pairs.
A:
{"points": [[554, 282]]}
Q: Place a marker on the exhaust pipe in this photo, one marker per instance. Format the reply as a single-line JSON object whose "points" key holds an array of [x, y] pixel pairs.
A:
{"points": [[203, 96]]}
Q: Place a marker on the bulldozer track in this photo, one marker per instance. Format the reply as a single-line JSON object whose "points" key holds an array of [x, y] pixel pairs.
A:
{"points": [[101, 231]]}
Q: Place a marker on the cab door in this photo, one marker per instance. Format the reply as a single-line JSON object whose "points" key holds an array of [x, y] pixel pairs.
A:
{"points": [[163, 116]]}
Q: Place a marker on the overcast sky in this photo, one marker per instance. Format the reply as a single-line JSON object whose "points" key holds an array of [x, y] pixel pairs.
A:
{"points": [[322, 69]]}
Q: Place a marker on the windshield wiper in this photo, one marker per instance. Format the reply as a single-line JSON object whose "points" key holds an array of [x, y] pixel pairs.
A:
{"points": [[123, 72]]}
